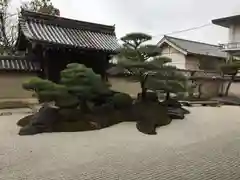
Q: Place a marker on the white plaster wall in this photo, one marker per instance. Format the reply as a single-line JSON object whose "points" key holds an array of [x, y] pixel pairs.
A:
{"points": [[125, 86], [234, 33], [235, 89], [178, 59], [11, 85]]}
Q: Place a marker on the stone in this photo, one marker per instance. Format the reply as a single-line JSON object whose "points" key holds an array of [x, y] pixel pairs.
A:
{"points": [[29, 130], [25, 120], [42, 121], [176, 113]]}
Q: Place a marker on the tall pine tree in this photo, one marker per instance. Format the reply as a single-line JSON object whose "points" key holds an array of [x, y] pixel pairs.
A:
{"points": [[144, 63]]}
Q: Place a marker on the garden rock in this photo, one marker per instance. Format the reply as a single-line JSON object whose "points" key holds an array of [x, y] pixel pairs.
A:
{"points": [[176, 113], [74, 126], [29, 130], [175, 109], [25, 120], [42, 121]]}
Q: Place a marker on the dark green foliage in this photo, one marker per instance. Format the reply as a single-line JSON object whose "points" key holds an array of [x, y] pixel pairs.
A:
{"points": [[121, 100], [134, 40], [83, 82], [168, 79], [230, 69], [78, 85], [145, 64]]}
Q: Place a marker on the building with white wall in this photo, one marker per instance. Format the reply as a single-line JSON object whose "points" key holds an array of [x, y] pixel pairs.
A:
{"points": [[192, 55], [232, 47]]}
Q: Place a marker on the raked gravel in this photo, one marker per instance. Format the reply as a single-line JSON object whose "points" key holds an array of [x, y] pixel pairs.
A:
{"points": [[206, 145]]}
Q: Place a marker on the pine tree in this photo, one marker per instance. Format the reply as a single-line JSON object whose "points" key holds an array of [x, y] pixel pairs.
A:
{"points": [[144, 63], [78, 85]]}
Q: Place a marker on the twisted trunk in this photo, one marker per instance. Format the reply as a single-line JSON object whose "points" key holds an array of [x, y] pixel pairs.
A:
{"points": [[229, 84]]}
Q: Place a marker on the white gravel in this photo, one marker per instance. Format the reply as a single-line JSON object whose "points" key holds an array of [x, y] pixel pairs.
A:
{"points": [[204, 146]]}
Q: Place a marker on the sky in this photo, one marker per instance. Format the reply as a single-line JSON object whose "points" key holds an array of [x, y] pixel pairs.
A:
{"points": [[155, 17]]}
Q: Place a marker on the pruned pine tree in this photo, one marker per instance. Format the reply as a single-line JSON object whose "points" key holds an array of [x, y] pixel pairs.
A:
{"points": [[144, 63], [78, 86]]}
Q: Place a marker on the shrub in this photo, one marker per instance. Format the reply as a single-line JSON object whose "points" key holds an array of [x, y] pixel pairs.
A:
{"points": [[78, 85], [121, 100]]}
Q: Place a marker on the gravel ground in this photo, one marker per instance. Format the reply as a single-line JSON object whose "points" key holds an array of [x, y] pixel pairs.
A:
{"points": [[204, 146]]}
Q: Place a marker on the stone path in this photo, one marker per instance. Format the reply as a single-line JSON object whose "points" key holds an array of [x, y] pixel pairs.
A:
{"points": [[204, 146]]}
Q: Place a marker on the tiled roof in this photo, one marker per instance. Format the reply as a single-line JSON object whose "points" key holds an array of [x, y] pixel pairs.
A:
{"points": [[16, 63], [200, 48], [63, 31]]}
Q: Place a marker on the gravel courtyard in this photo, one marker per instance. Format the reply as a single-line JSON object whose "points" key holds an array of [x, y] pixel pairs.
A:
{"points": [[206, 145]]}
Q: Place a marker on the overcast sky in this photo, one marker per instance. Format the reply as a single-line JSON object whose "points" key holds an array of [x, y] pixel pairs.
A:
{"points": [[155, 17]]}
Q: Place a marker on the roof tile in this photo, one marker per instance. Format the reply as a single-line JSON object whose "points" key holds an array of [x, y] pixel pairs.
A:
{"points": [[57, 30], [197, 47], [16, 63]]}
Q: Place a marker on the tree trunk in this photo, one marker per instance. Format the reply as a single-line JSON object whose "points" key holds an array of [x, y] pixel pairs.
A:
{"points": [[199, 91], [229, 84], [168, 96], [143, 82], [144, 91]]}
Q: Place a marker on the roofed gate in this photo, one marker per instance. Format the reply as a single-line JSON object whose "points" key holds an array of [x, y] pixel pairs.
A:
{"points": [[55, 41]]}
